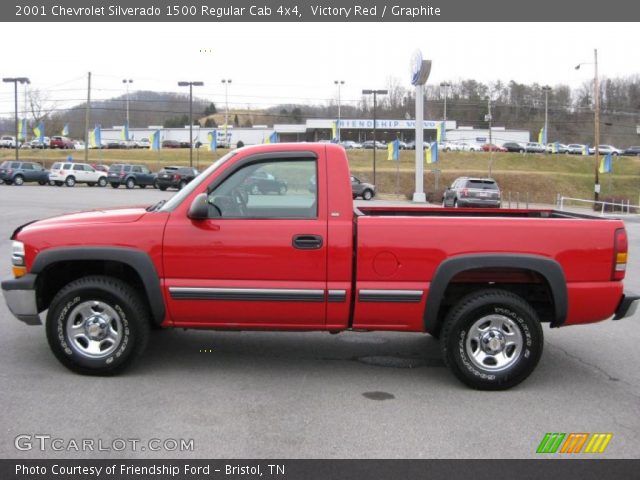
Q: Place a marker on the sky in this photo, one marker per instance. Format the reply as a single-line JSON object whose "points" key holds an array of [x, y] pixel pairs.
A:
{"points": [[271, 63]]}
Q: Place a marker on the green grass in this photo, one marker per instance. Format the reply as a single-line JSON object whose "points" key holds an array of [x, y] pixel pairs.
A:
{"points": [[541, 177]]}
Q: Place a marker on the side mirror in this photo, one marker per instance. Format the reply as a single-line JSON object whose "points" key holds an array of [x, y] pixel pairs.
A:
{"points": [[199, 209]]}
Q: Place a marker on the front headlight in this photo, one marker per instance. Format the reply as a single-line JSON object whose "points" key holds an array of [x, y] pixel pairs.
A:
{"points": [[17, 259]]}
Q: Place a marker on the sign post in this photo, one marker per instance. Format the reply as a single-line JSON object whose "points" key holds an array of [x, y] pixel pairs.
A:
{"points": [[420, 70]]}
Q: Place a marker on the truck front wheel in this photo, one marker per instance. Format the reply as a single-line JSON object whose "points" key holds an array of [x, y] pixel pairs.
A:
{"points": [[97, 325], [492, 340]]}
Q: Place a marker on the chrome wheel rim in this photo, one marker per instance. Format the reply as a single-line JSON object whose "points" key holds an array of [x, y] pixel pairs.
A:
{"points": [[494, 343], [94, 329]]}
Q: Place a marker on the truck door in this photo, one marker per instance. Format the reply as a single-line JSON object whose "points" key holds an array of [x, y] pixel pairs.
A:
{"points": [[260, 259]]}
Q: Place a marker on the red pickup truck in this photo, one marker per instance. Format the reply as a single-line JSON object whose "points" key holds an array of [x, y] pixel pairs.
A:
{"points": [[220, 255]]}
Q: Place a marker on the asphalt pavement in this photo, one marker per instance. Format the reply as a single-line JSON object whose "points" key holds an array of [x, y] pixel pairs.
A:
{"points": [[303, 395]]}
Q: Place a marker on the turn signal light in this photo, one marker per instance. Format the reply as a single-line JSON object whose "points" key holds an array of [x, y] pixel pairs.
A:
{"points": [[19, 271]]}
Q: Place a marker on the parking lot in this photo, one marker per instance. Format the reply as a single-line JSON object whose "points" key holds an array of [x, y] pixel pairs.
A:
{"points": [[308, 395]]}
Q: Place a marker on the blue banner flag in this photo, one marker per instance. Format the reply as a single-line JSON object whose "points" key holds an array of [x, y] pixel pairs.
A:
{"points": [[65, 130], [39, 132], [212, 136], [431, 154], [154, 141], [606, 164]]}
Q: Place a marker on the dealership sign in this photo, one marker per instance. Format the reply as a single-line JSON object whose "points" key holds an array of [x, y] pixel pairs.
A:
{"points": [[391, 124]]}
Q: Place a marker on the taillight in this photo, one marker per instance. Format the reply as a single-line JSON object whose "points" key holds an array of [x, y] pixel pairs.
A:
{"points": [[465, 192], [122, 174], [620, 249], [9, 171], [176, 177]]}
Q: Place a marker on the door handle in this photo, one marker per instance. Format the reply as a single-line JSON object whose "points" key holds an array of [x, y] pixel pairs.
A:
{"points": [[307, 242]]}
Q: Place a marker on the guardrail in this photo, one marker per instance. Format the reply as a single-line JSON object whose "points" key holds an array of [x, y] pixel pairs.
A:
{"points": [[625, 206]]}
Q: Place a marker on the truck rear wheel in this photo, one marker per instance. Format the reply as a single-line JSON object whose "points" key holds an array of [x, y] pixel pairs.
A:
{"points": [[492, 340], [97, 325]]}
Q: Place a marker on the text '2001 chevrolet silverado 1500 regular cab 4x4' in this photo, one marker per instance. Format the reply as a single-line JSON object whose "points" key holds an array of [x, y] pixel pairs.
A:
{"points": [[220, 255]]}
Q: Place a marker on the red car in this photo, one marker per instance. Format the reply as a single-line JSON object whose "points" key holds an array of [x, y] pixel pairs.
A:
{"points": [[488, 147], [214, 256], [61, 142]]}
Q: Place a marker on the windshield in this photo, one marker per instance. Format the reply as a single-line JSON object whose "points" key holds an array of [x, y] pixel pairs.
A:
{"points": [[482, 184], [177, 199]]}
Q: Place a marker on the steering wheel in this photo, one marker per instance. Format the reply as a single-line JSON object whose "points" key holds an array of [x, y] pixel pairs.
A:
{"points": [[240, 201]]}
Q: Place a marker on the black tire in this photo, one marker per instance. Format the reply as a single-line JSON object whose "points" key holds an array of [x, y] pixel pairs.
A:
{"points": [[42, 182], [130, 183], [91, 184], [70, 181], [367, 194], [282, 190], [182, 184], [455, 203], [115, 185], [8, 182], [18, 180], [143, 185], [102, 182], [515, 317], [162, 188], [132, 323], [155, 184], [58, 183]]}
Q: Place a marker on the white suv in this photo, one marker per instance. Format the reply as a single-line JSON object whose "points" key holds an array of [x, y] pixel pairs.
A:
{"points": [[69, 173]]}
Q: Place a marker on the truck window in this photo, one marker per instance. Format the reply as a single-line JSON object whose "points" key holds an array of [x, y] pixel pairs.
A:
{"points": [[273, 189]]}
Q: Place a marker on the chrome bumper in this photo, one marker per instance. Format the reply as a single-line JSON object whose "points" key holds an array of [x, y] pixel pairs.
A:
{"points": [[628, 307], [20, 296]]}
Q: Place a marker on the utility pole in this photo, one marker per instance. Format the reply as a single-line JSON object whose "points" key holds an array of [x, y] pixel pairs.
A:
{"points": [[190, 85], [490, 118], [338, 83], [226, 83], [596, 88], [375, 94], [445, 85], [16, 81], [87, 115], [127, 82], [546, 90]]}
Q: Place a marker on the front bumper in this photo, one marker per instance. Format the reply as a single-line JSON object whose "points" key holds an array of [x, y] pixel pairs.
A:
{"points": [[627, 307], [20, 296]]}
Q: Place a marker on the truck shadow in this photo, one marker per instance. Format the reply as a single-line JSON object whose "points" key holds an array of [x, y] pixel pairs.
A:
{"points": [[194, 349]]}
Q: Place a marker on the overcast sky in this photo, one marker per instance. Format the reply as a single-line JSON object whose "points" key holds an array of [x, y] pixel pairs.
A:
{"points": [[272, 63]]}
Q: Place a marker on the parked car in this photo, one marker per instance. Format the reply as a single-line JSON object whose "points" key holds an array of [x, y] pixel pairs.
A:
{"points": [[7, 141], [262, 182], [487, 147], [514, 147], [350, 144], [78, 145], [143, 143], [411, 145], [451, 147], [605, 150], [70, 173], [170, 144], [559, 148], [368, 145], [534, 147], [18, 173], [36, 143], [362, 189], [175, 177], [475, 147], [130, 176], [631, 151], [575, 148], [58, 141], [484, 283], [472, 192]]}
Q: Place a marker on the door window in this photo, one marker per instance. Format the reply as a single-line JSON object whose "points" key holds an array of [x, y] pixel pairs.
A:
{"points": [[274, 189]]}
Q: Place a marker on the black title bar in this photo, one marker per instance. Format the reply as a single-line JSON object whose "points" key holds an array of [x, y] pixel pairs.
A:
{"points": [[319, 11]]}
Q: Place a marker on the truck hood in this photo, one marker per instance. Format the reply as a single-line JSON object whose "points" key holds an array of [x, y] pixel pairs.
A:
{"points": [[114, 215]]}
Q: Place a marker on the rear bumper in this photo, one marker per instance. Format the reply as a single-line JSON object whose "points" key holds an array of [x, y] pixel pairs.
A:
{"points": [[20, 296], [627, 307], [476, 202]]}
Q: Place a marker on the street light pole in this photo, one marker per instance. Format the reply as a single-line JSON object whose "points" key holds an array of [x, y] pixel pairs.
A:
{"points": [[127, 82], [338, 83], [375, 94], [226, 83], [445, 85], [546, 90], [190, 85], [16, 81], [596, 126]]}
